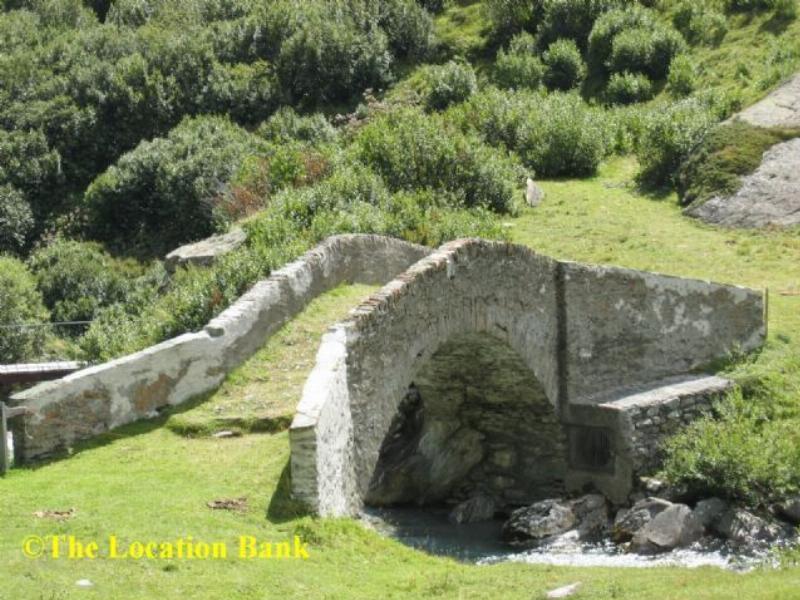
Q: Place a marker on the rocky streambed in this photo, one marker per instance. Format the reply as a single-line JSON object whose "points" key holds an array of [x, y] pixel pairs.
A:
{"points": [[588, 531]]}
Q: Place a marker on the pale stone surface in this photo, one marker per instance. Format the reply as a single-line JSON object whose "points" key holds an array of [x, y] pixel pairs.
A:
{"points": [[583, 333], [137, 386], [205, 252], [533, 193], [474, 510], [565, 591], [781, 108], [674, 527], [538, 521], [770, 196], [741, 526], [631, 520]]}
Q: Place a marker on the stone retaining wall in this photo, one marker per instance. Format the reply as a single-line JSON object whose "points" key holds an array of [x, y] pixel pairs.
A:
{"points": [[137, 386]]}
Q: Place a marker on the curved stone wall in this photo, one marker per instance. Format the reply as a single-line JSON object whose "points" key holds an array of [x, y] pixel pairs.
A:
{"points": [[134, 387], [581, 330]]}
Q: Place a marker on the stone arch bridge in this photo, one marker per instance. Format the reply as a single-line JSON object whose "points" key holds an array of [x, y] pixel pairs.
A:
{"points": [[486, 368]]}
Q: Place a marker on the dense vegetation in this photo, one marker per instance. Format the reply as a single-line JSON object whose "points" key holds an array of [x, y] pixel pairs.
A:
{"points": [[128, 127]]}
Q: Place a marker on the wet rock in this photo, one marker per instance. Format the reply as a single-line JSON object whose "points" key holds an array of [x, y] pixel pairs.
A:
{"points": [[790, 510], [591, 514], [539, 521], [743, 527], [674, 527], [474, 510], [710, 511], [631, 520], [533, 193]]}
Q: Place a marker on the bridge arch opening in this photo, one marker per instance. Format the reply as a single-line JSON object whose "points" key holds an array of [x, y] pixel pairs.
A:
{"points": [[475, 420]]}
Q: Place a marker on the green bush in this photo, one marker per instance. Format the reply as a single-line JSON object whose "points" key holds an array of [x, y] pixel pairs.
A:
{"points": [[557, 135], [670, 135], [286, 125], [727, 153], [163, 193], [628, 88], [741, 455], [21, 310], [449, 84], [76, 279], [519, 67], [608, 25], [16, 220], [649, 51], [408, 26], [700, 23], [571, 19], [682, 78], [509, 17], [245, 92], [564, 66], [411, 151], [329, 60]]}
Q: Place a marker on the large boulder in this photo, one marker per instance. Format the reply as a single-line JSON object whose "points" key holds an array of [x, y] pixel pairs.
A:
{"points": [[630, 520], [476, 509], [710, 511], [539, 521], [205, 252], [591, 514], [743, 527], [790, 510], [674, 527]]}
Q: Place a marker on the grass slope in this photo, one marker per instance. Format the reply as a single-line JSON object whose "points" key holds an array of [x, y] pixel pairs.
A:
{"points": [[147, 483]]}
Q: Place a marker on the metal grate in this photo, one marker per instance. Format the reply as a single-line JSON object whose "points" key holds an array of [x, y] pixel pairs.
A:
{"points": [[591, 449]]}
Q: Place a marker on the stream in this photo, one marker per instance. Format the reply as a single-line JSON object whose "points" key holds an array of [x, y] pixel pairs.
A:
{"points": [[429, 530]]}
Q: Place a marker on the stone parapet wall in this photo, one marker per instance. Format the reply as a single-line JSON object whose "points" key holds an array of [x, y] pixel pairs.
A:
{"points": [[137, 386]]}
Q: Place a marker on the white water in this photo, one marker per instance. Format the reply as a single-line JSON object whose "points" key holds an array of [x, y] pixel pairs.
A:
{"points": [[480, 543]]}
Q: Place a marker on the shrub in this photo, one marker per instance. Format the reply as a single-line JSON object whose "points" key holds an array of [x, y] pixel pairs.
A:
{"points": [[408, 26], [741, 456], [76, 279], [628, 88], [609, 25], [519, 67], [669, 137], [641, 50], [682, 78], [162, 193], [571, 19], [328, 60], [728, 153], [513, 16], [16, 220], [286, 125], [700, 23], [21, 310], [411, 150], [449, 84], [564, 67], [557, 135], [245, 92]]}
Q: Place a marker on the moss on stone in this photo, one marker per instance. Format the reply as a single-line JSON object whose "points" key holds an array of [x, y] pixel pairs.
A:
{"points": [[729, 152]]}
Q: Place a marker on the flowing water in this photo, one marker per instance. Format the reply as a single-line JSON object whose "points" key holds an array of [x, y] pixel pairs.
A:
{"points": [[429, 530]]}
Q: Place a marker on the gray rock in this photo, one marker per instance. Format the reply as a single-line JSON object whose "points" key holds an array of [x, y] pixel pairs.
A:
{"points": [[741, 526], [780, 109], [768, 197], [474, 510], [205, 252], [629, 521], [533, 193], [564, 592], [591, 514], [790, 510], [710, 511], [539, 521], [674, 527]]}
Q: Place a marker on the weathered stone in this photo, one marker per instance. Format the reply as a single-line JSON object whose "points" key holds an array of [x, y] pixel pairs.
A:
{"points": [[710, 511], [539, 521], [533, 193], [591, 514], [629, 521], [205, 252], [474, 510], [674, 527], [565, 591], [744, 527]]}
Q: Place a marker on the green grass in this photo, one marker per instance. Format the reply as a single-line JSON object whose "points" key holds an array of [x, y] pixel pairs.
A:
{"points": [[261, 394], [145, 482]]}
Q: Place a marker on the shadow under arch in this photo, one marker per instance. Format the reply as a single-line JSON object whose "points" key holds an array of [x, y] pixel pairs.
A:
{"points": [[474, 421]]}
